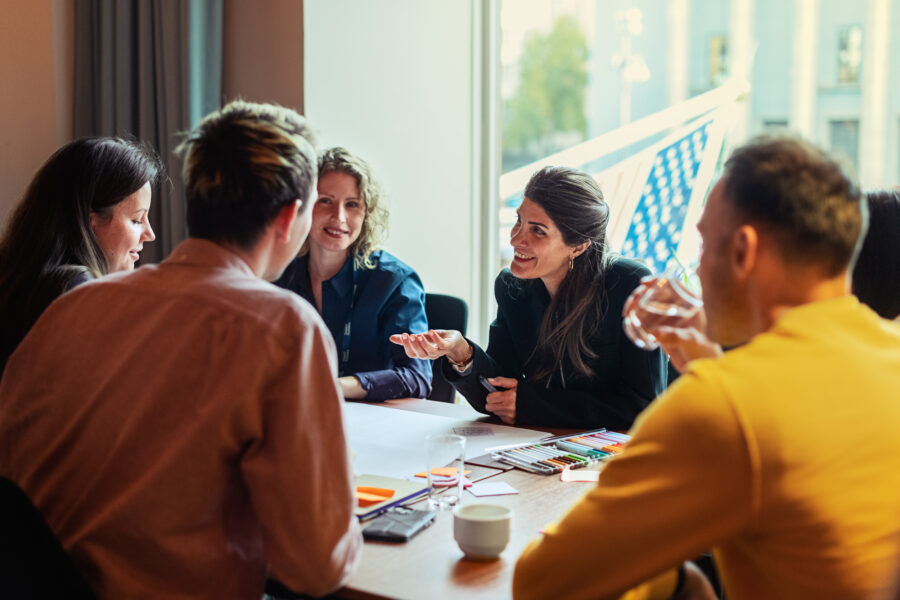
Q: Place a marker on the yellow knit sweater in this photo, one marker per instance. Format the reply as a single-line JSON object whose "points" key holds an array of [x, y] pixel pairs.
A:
{"points": [[783, 455]]}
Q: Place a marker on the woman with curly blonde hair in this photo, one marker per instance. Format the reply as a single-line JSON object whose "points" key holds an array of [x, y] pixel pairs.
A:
{"points": [[363, 294]]}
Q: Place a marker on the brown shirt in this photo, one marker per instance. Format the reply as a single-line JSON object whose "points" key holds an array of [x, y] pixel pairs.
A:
{"points": [[180, 428]]}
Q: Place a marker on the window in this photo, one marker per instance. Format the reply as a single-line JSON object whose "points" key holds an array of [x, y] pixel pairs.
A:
{"points": [[718, 60], [544, 65], [849, 54], [544, 58], [578, 75], [844, 137], [774, 124]]}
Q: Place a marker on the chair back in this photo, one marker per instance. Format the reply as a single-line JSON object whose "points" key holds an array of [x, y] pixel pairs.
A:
{"points": [[33, 564], [444, 312]]}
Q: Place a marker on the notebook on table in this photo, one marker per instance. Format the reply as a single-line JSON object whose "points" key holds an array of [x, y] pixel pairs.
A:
{"points": [[404, 491]]}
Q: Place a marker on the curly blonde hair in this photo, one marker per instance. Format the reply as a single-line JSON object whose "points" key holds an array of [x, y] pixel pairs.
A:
{"points": [[374, 225]]}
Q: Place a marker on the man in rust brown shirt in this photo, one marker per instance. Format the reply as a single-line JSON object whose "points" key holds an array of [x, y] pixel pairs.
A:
{"points": [[180, 426]]}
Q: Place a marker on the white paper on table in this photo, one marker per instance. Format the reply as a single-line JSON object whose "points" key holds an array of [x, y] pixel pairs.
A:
{"points": [[492, 488], [391, 442], [474, 430], [569, 475]]}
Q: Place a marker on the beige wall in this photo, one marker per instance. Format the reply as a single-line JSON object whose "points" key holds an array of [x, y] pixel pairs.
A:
{"points": [[393, 80], [263, 61], [35, 95], [263, 51]]}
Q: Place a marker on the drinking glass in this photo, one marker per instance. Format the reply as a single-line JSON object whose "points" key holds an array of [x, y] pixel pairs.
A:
{"points": [[671, 299], [445, 458]]}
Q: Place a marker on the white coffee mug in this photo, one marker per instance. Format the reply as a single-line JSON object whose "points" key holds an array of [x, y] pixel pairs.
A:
{"points": [[482, 530]]}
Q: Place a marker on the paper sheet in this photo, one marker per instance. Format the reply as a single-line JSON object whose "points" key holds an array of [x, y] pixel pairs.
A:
{"points": [[391, 442], [569, 475], [492, 488]]}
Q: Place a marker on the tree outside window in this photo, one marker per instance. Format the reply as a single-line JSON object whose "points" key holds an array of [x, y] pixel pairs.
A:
{"points": [[547, 111]]}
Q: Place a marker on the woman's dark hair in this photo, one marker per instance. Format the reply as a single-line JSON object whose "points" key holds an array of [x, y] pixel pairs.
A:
{"points": [[48, 243], [876, 276], [574, 202]]}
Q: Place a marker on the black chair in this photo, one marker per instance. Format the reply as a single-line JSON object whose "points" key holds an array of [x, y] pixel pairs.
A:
{"points": [[33, 564], [444, 312]]}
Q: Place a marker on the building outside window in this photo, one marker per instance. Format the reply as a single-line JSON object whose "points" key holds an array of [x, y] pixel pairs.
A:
{"points": [[850, 53], [575, 71], [718, 60], [774, 125], [844, 137]]}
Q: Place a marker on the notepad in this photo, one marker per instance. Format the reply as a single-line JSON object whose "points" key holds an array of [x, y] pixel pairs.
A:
{"points": [[403, 491], [368, 495]]}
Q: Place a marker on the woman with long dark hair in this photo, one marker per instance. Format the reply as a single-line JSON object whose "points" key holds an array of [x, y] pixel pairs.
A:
{"points": [[84, 214], [557, 353]]}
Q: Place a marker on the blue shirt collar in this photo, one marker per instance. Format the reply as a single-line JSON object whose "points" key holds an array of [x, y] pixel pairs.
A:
{"points": [[342, 282]]}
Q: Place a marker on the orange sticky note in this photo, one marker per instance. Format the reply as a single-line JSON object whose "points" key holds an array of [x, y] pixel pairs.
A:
{"points": [[443, 472], [367, 496]]}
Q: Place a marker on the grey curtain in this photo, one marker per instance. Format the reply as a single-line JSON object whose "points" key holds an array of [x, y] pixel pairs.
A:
{"points": [[149, 69]]}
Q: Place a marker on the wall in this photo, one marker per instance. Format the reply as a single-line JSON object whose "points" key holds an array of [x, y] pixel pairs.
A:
{"points": [[35, 98], [771, 79], [892, 172], [396, 83], [392, 80], [262, 51], [263, 60]]}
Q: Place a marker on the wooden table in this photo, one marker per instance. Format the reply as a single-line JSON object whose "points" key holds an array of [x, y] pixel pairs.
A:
{"points": [[431, 565]]}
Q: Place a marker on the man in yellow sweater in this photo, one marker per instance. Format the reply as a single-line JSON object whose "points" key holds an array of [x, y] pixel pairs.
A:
{"points": [[783, 454]]}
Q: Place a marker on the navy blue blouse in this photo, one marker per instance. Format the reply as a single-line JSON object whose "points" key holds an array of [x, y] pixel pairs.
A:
{"points": [[390, 299]]}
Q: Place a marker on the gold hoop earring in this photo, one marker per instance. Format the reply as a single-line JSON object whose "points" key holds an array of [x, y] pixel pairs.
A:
{"points": [[571, 263]]}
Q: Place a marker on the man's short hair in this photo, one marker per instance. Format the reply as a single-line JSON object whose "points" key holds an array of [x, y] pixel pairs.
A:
{"points": [[804, 197], [242, 164]]}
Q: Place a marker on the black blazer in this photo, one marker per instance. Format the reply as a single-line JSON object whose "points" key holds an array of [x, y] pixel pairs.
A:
{"points": [[625, 379], [19, 316]]}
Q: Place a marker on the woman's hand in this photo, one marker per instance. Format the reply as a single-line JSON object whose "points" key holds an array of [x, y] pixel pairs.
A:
{"points": [[503, 403], [697, 320], [435, 343], [685, 344], [683, 339]]}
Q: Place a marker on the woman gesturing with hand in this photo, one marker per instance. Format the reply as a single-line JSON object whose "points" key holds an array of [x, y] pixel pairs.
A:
{"points": [[556, 354]]}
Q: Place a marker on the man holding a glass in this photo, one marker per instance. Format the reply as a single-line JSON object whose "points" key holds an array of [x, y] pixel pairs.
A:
{"points": [[783, 454]]}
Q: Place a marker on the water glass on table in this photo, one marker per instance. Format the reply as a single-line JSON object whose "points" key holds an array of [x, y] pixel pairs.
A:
{"points": [[670, 300], [445, 459]]}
